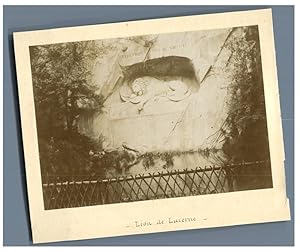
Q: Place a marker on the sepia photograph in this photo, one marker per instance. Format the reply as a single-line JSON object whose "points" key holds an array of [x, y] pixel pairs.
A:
{"points": [[150, 117], [151, 126]]}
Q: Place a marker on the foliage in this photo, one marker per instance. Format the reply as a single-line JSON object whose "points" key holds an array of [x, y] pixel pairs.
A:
{"points": [[62, 85], [168, 158], [148, 160], [66, 154], [244, 133], [246, 137]]}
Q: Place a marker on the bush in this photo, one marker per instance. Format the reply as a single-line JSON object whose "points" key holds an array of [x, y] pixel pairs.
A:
{"points": [[66, 154]]}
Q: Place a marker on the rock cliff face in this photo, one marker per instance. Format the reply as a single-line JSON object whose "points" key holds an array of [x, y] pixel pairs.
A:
{"points": [[150, 106]]}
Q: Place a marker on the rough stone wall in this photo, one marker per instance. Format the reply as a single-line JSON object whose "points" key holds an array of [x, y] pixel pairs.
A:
{"points": [[163, 124]]}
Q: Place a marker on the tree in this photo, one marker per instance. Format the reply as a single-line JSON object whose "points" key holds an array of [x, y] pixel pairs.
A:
{"points": [[246, 126], [61, 75], [245, 130], [62, 86]]}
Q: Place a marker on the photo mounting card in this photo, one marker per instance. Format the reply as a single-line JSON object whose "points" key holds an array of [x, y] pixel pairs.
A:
{"points": [[151, 126]]}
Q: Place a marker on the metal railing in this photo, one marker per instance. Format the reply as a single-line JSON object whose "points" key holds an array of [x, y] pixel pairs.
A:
{"points": [[62, 193]]}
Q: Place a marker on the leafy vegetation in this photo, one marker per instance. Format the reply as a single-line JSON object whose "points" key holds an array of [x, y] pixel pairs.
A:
{"points": [[246, 126], [245, 130], [62, 85]]}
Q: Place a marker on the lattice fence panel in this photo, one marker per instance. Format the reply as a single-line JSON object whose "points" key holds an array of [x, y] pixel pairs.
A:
{"points": [[169, 184]]}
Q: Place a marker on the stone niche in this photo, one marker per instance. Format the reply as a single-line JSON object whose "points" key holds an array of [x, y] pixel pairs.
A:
{"points": [[158, 105], [146, 107], [161, 98]]}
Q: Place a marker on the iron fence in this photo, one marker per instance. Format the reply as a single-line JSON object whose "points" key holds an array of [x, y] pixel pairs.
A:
{"points": [[168, 184]]}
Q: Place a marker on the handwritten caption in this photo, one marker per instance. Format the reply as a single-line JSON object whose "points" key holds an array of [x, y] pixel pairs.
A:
{"points": [[170, 220]]}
